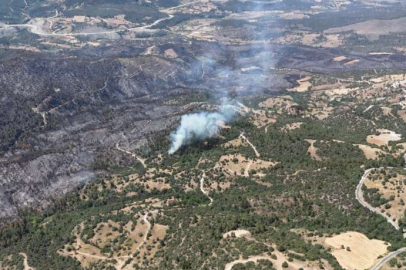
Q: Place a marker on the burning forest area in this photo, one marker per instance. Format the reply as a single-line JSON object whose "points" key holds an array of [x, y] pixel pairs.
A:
{"points": [[199, 135]]}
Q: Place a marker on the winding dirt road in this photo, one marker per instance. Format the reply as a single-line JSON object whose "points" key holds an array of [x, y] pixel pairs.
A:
{"points": [[121, 259], [142, 161], [247, 169], [26, 265], [144, 239], [252, 146], [202, 188]]}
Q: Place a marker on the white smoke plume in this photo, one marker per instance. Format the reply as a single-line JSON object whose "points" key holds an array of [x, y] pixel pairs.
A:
{"points": [[200, 126]]}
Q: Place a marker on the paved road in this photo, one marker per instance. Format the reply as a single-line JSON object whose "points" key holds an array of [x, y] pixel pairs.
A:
{"points": [[360, 198], [387, 258]]}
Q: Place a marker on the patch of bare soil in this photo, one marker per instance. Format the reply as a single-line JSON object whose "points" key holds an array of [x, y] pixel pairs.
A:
{"points": [[313, 150], [370, 152], [5, 262], [402, 114], [387, 111], [383, 137], [237, 234], [304, 85], [352, 62], [339, 58], [170, 53]]}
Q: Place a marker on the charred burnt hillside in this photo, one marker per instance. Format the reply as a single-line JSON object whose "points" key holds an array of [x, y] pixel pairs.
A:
{"points": [[61, 111]]}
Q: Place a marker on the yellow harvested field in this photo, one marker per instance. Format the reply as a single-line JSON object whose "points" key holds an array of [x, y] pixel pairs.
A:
{"points": [[304, 85], [384, 137], [370, 152], [352, 62], [79, 19], [339, 58], [362, 252]]}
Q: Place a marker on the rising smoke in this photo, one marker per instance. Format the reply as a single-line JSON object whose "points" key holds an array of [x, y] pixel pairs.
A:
{"points": [[247, 72], [200, 126]]}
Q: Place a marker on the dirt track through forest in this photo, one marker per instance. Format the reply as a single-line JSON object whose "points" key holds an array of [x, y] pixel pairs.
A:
{"points": [[120, 259], [202, 188], [26, 265], [142, 161], [252, 146]]}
